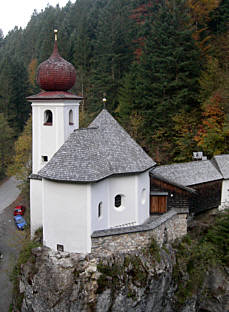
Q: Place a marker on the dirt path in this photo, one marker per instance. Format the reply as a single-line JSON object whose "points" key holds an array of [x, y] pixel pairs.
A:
{"points": [[10, 241]]}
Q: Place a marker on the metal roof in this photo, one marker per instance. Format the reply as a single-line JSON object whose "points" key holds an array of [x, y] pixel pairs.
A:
{"points": [[189, 173], [53, 95], [94, 153]]}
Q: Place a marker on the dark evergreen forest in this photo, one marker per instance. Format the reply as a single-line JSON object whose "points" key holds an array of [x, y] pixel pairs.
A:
{"points": [[163, 66]]}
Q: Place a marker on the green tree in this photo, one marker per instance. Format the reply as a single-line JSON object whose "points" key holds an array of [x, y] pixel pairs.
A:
{"points": [[185, 129], [6, 145], [220, 17], [18, 107], [112, 53], [211, 79], [166, 76], [13, 92]]}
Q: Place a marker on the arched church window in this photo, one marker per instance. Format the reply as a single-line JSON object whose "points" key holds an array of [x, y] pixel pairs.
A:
{"points": [[100, 210], [71, 117], [48, 118], [118, 201]]}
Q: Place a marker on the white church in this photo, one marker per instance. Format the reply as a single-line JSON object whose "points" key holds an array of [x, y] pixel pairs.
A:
{"points": [[83, 180]]}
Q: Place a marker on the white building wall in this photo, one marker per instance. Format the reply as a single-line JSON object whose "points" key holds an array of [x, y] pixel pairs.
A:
{"points": [[48, 139], [99, 194], [143, 197], [66, 216], [224, 195], [36, 219], [127, 213]]}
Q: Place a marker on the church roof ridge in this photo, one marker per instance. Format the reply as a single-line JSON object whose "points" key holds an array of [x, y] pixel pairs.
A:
{"points": [[189, 173], [90, 156]]}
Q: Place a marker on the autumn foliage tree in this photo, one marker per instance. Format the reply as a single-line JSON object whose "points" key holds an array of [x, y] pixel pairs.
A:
{"points": [[21, 164], [213, 133], [158, 62], [199, 12], [32, 68]]}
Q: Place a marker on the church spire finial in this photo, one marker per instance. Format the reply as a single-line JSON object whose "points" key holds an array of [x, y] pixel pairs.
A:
{"points": [[104, 100], [55, 32]]}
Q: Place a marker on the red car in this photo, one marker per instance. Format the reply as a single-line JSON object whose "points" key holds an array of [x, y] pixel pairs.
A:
{"points": [[19, 210]]}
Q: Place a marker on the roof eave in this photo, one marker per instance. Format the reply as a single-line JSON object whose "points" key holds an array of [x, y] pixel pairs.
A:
{"points": [[180, 186], [54, 95], [56, 179]]}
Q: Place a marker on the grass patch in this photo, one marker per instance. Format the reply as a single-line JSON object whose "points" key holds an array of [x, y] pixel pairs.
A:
{"points": [[154, 250], [196, 255], [110, 277], [130, 273]]}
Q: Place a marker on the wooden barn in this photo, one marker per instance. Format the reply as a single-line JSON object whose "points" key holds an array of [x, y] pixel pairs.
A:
{"points": [[166, 194], [202, 177]]}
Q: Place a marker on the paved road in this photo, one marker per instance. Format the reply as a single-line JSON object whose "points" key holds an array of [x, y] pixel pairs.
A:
{"points": [[8, 193], [10, 240]]}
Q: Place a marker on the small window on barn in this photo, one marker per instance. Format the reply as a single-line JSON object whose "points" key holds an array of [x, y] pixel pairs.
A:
{"points": [[48, 118], [100, 210], [118, 201], [71, 117]]}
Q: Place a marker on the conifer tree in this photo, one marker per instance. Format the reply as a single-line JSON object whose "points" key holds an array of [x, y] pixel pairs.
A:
{"points": [[166, 76], [112, 52], [6, 145]]}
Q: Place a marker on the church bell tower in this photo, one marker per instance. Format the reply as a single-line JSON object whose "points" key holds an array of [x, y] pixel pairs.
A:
{"points": [[55, 115], [55, 111]]}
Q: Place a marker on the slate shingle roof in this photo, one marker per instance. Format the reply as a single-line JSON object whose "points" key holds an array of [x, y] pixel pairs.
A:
{"points": [[101, 150], [172, 182], [222, 163], [189, 173]]}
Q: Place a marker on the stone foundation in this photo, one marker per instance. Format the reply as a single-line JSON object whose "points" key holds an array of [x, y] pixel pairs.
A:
{"points": [[166, 228]]}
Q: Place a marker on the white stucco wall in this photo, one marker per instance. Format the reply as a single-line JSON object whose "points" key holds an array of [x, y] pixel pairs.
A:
{"points": [[36, 219], [143, 197], [127, 213], [224, 195], [134, 209], [48, 139], [99, 194], [66, 215]]}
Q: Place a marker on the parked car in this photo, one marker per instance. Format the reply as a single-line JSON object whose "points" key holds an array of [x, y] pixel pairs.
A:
{"points": [[20, 222], [19, 210]]}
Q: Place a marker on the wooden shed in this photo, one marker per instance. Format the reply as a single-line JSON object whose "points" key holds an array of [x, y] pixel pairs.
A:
{"points": [[201, 177], [165, 195]]}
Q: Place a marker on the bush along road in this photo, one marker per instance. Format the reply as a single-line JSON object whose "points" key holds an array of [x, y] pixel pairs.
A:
{"points": [[11, 240]]}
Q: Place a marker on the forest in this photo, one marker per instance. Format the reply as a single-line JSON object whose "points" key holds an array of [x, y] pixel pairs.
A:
{"points": [[163, 66]]}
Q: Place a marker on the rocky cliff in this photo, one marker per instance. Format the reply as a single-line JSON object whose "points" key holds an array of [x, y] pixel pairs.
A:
{"points": [[140, 281], [189, 275]]}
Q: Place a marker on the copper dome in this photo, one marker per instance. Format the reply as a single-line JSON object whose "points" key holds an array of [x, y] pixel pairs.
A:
{"points": [[56, 74]]}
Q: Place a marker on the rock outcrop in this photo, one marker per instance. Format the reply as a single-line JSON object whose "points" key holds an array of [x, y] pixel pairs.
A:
{"points": [[139, 281]]}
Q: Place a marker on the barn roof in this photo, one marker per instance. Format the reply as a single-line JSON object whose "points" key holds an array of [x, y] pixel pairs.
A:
{"points": [[163, 179], [94, 153], [222, 163], [189, 173]]}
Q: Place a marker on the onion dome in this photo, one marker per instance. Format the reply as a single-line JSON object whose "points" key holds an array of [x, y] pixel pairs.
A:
{"points": [[56, 74]]}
